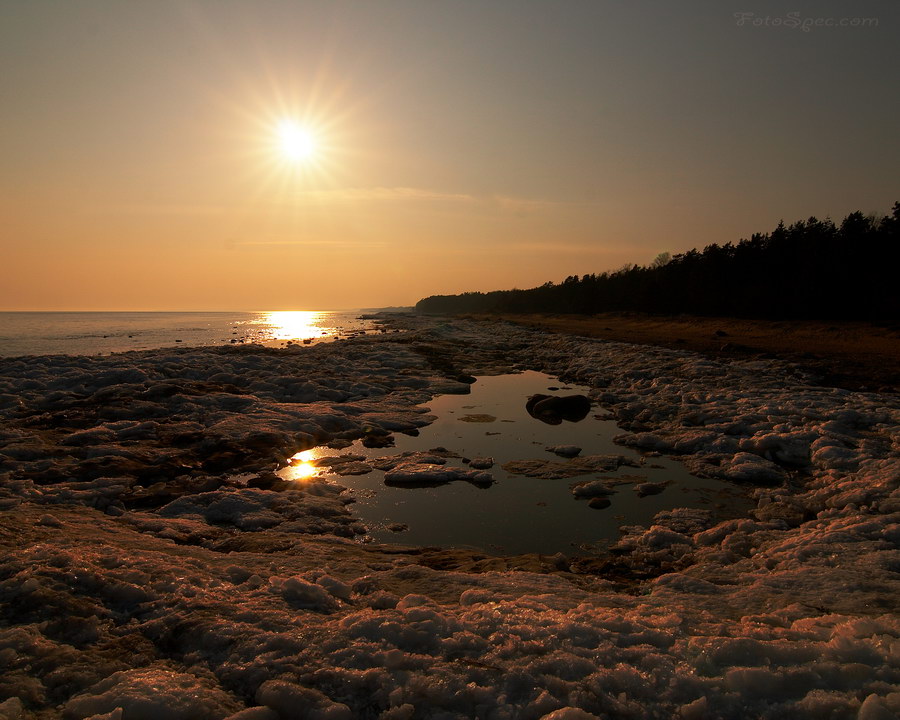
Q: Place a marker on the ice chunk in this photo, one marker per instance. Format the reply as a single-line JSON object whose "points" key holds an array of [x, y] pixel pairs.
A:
{"points": [[481, 463], [260, 712], [301, 593], [569, 713], [294, 701], [582, 465], [748, 467], [153, 694], [12, 709], [430, 473], [592, 489]]}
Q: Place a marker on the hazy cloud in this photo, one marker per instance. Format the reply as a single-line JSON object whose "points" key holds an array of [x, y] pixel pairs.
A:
{"points": [[342, 196], [161, 209], [411, 194], [310, 243]]}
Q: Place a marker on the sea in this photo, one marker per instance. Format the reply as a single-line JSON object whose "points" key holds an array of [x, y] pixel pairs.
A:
{"points": [[102, 333]]}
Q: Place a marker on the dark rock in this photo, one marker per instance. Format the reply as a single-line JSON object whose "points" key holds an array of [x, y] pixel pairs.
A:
{"points": [[378, 441], [268, 480], [553, 409], [566, 451], [339, 444]]}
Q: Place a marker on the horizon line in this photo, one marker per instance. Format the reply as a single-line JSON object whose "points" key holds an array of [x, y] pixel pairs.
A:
{"points": [[348, 309]]}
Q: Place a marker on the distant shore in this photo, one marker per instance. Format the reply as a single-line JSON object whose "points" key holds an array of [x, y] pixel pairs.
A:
{"points": [[850, 355]]}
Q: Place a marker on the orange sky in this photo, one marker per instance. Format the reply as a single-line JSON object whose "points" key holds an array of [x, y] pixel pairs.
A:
{"points": [[463, 145]]}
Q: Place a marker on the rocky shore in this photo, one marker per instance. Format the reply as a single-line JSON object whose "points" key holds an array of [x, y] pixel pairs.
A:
{"points": [[154, 566]]}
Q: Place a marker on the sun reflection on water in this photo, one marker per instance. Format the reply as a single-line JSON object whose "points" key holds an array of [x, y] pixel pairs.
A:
{"points": [[302, 466], [294, 325]]}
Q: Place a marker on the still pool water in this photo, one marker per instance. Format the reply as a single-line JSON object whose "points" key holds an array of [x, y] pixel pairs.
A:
{"points": [[518, 514]]}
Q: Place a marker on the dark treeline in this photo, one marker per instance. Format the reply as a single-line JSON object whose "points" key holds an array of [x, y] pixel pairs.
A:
{"points": [[808, 270]]}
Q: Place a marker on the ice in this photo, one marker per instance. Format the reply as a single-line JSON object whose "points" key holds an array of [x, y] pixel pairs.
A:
{"points": [[295, 701], [592, 489], [12, 709], [260, 712], [481, 463], [582, 465], [569, 713], [152, 694], [748, 467], [301, 593], [419, 472], [153, 565]]}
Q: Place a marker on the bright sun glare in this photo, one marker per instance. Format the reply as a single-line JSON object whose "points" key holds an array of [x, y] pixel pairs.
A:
{"points": [[294, 324], [302, 467], [292, 149], [296, 143]]}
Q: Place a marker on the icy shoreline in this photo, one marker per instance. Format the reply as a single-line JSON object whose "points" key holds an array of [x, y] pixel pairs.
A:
{"points": [[153, 562]]}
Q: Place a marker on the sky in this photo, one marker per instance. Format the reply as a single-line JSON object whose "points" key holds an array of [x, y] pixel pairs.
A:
{"points": [[459, 145]]}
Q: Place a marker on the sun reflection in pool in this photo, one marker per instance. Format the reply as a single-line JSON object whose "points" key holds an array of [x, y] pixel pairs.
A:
{"points": [[301, 467], [294, 325]]}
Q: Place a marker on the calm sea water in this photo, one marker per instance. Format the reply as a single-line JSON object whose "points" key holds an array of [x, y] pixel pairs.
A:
{"points": [[90, 333]]}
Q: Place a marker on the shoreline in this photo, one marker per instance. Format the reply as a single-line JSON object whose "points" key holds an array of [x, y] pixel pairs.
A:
{"points": [[131, 550], [849, 355]]}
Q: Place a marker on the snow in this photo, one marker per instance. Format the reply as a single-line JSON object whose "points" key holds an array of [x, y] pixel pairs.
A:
{"points": [[294, 701], [153, 565], [151, 694], [569, 713]]}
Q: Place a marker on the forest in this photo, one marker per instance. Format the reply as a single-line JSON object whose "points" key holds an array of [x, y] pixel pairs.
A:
{"points": [[810, 269]]}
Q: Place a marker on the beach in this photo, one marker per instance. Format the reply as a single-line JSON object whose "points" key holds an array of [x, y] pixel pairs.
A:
{"points": [[850, 355], [156, 565]]}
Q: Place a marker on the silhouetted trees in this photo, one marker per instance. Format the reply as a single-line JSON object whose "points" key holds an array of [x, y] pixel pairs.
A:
{"points": [[808, 270]]}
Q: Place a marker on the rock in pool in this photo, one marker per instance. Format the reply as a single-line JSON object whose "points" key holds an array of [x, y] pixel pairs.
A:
{"points": [[553, 409]]}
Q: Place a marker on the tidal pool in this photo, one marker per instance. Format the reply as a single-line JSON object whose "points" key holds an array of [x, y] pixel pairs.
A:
{"points": [[516, 514]]}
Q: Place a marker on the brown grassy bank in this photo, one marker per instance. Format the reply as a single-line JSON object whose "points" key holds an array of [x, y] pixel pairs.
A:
{"points": [[852, 355]]}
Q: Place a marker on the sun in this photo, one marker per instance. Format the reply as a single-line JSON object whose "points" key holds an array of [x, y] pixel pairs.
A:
{"points": [[291, 150], [296, 144]]}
